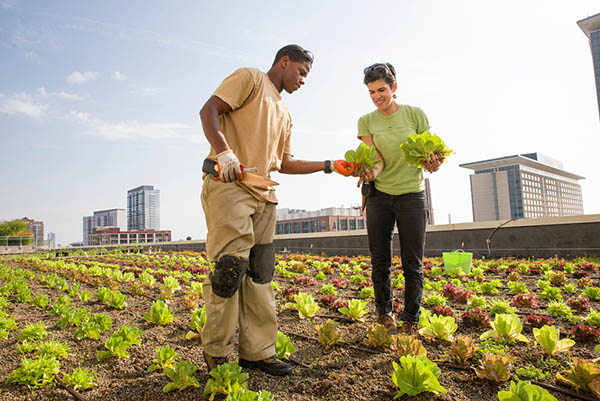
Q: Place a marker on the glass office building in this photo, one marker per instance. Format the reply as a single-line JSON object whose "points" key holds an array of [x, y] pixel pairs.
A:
{"points": [[523, 186], [143, 208], [591, 27]]}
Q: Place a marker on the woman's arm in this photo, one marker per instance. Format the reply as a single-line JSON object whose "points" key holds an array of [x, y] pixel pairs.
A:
{"points": [[375, 170]]}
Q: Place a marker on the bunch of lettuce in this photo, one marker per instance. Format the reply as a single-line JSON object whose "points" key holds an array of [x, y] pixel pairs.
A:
{"points": [[357, 161], [417, 148]]}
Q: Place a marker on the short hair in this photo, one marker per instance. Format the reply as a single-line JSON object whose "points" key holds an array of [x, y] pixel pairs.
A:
{"points": [[377, 71], [295, 53]]}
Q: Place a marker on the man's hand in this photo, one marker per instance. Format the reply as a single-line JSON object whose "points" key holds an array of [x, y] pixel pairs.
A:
{"points": [[433, 162], [228, 166]]}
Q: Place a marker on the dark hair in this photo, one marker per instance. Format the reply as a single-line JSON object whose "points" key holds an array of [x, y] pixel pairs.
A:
{"points": [[384, 71], [295, 53]]}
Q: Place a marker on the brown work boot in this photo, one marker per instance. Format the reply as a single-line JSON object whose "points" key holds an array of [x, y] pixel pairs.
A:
{"points": [[409, 328], [213, 361], [387, 320], [271, 366]]}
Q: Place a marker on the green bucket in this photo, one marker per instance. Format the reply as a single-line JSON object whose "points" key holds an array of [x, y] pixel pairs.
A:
{"points": [[456, 261]]}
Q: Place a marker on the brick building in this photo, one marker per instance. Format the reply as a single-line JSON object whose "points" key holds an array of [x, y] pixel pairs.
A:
{"points": [[114, 236]]}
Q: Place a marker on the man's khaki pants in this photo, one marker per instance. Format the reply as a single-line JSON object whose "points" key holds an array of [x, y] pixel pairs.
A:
{"points": [[237, 221]]}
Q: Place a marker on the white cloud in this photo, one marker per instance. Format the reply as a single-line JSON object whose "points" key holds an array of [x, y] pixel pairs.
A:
{"points": [[119, 76], [134, 130], [77, 78], [61, 95], [146, 91], [22, 104]]}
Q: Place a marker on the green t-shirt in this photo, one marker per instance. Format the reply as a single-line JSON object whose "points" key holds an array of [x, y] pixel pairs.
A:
{"points": [[389, 132]]}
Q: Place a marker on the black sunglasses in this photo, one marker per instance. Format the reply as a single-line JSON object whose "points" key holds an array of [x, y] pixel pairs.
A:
{"points": [[378, 67]]}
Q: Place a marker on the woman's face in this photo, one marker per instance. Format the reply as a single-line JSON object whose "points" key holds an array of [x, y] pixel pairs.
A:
{"points": [[381, 94]]}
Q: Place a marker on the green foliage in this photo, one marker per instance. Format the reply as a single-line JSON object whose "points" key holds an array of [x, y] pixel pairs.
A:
{"points": [[558, 309], [415, 375], [53, 349], [181, 376], [6, 324], [165, 358], [148, 279], [328, 289], [197, 323], [548, 338], [160, 313], [80, 379], [417, 148], [378, 336], [434, 300], [225, 379], [94, 326], [329, 334], [35, 372], [593, 318], [320, 276], [505, 328], [364, 156], [41, 301], [477, 301], [117, 300], [438, 326], [551, 294], [494, 367], [583, 375], [543, 284], [591, 293], [531, 372], [489, 287], [73, 317], [357, 279], [569, 289], [367, 292], [116, 345], [525, 391], [518, 287], [33, 331], [249, 395], [283, 347], [355, 309], [305, 305], [407, 345], [499, 306]]}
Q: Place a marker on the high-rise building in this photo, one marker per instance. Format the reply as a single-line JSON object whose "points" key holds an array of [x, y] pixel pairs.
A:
{"points": [[143, 208], [523, 186], [103, 218], [37, 228], [51, 240], [591, 27]]}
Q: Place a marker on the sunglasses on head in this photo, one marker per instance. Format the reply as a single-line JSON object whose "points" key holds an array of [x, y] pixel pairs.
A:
{"points": [[378, 67]]}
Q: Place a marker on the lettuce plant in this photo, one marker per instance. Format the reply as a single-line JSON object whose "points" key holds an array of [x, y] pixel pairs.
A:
{"points": [[148, 279], [524, 300], [434, 300], [33, 331], [80, 379], [159, 314], [558, 309], [6, 324], [462, 349], [35, 372], [505, 328], [548, 338], [197, 323], [591, 293], [165, 358], [225, 379], [407, 345], [551, 294], [583, 333], [477, 301], [378, 336], [579, 303], [284, 347], [367, 292], [355, 309], [499, 306], [53, 349], [525, 391], [440, 327], [494, 367], [418, 147], [416, 375], [517, 287], [249, 395], [305, 305], [181, 376], [41, 301], [329, 334], [583, 375]]}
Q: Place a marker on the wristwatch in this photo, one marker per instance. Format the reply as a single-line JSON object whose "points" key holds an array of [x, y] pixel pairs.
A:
{"points": [[328, 169]]}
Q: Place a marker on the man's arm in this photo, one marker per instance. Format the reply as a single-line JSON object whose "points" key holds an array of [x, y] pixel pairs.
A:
{"points": [[289, 165], [209, 115]]}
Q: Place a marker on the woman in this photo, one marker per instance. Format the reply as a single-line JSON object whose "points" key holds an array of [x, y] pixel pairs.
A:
{"points": [[398, 195]]}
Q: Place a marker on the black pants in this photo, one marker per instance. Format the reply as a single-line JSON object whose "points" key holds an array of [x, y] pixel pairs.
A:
{"points": [[410, 213]]}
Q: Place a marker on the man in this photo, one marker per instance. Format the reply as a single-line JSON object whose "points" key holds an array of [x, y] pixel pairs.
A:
{"points": [[247, 124]]}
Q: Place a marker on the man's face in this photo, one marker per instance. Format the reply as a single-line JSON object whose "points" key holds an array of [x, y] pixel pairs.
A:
{"points": [[295, 74]]}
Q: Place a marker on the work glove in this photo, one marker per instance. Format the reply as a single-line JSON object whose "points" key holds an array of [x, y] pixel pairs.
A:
{"points": [[228, 166], [345, 168]]}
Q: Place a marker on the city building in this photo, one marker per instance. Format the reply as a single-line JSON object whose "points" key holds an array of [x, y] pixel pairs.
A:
{"points": [[143, 208], [103, 218], [523, 186], [291, 221], [591, 27], [114, 236], [51, 240], [37, 228]]}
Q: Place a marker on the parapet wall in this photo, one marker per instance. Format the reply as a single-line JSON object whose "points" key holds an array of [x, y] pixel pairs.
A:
{"points": [[546, 237]]}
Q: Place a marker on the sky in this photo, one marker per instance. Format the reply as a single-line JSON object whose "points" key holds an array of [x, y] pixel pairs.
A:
{"points": [[97, 98]]}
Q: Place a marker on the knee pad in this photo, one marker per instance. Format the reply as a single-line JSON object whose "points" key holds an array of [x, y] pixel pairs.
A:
{"points": [[262, 263], [227, 275]]}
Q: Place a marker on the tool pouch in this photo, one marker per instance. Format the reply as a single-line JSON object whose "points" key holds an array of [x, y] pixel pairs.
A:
{"points": [[367, 189]]}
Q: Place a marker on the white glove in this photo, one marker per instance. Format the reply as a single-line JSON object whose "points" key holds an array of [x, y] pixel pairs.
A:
{"points": [[229, 166]]}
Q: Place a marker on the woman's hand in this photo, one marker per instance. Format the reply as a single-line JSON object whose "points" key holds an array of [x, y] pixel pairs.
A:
{"points": [[369, 174], [433, 162]]}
